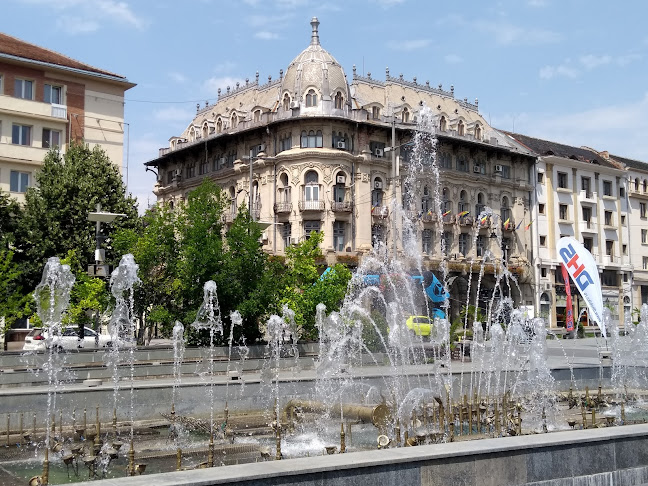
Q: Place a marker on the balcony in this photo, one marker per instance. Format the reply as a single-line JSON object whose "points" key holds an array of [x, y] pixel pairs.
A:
{"points": [[430, 217], [380, 211], [30, 108], [587, 196], [342, 206], [449, 219], [311, 205], [588, 227], [163, 151], [484, 223], [508, 225], [229, 216], [283, 208], [466, 221], [59, 111]]}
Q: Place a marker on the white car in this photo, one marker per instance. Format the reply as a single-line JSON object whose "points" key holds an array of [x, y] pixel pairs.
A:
{"points": [[69, 339]]}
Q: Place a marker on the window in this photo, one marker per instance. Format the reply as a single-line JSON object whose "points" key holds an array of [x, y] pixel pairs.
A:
{"points": [[608, 218], [257, 116], [463, 202], [443, 124], [191, 171], [543, 240], [311, 191], [24, 89], [478, 132], [562, 180], [562, 211], [311, 98], [339, 189], [311, 139], [623, 220], [541, 208], [445, 160], [286, 102], [480, 245], [426, 239], [506, 248], [375, 113], [479, 166], [609, 248], [446, 203], [285, 143], [586, 186], [588, 243], [609, 278], [540, 177], [644, 236], [21, 135], [645, 263], [311, 227], [219, 126], [405, 115], [340, 141], [377, 234], [338, 235], [339, 100], [377, 148], [607, 188], [506, 172], [447, 242], [621, 191], [480, 206], [461, 128], [543, 272], [204, 167], [170, 176], [505, 210], [624, 249], [286, 232], [463, 243], [18, 181], [587, 215], [642, 210], [462, 164], [51, 138], [53, 94], [234, 120], [377, 193], [284, 189]]}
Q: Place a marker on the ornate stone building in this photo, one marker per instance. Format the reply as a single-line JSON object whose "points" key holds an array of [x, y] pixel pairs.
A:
{"points": [[330, 155]]}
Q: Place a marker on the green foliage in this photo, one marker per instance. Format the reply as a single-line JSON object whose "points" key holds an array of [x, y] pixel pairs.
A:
{"points": [[10, 214], [304, 288], [88, 295], [14, 303], [372, 337], [55, 217]]}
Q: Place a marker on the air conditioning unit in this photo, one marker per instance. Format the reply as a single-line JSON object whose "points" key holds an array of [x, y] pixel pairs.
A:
{"points": [[294, 104], [264, 237], [498, 168], [476, 169], [377, 184], [341, 144], [379, 152], [340, 179], [294, 240]]}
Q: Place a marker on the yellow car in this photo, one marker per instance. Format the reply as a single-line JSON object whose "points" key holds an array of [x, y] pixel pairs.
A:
{"points": [[421, 325]]}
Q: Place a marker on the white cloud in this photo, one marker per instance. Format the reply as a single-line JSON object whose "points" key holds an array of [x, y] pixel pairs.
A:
{"points": [[591, 61], [274, 20], [210, 87], [627, 59], [503, 32], [563, 70], [174, 114], [265, 35], [453, 59], [409, 45], [389, 3], [178, 77], [537, 3], [85, 16], [602, 128]]}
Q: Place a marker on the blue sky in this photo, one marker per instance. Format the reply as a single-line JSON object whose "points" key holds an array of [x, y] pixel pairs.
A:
{"points": [[572, 71]]}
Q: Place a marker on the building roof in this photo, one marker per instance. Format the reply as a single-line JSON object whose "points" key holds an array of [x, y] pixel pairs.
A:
{"points": [[633, 164], [15, 47], [546, 147]]}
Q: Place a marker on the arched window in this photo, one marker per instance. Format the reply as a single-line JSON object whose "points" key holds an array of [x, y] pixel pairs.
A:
{"points": [[478, 132], [339, 100], [205, 130], [219, 126], [311, 98], [446, 203], [425, 200], [284, 189], [234, 120], [463, 202], [171, 204], [462, 163], [480, 206], [460, 128], [311, 139], [311, 190], [257, 116], [505, 211], [377, 193], [637, 184], [232, 195], [319, 140], [405, 115], [443, 124], [256, 199], [645, 185], [339, 190], [286, 102], [375, 113]]}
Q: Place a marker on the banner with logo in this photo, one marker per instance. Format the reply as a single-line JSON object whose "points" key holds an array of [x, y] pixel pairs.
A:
{"points": [[583, 271], [569, 312]]}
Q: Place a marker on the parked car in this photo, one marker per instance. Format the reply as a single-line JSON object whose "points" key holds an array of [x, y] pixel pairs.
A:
{"points": [[69, 339], [421, 325]]}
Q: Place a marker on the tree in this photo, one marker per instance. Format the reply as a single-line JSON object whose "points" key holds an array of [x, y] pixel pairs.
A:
{"points": [[10, 213], [55, 218], [14, 303], [305, 288]]}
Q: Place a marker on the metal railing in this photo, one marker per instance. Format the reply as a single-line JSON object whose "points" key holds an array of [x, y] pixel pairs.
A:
{"points": [[380, 211], [311, 205], [283, 207], [342, 206]]}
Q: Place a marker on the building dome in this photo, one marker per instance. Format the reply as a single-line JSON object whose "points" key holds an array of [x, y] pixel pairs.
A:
{"points": [[317, 70]]}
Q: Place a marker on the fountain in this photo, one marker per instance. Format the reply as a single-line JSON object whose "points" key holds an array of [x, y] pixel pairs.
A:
{"points": [[370, 383]]}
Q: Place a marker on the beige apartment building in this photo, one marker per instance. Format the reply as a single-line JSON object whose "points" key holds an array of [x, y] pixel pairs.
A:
{"points": [[332, 155], [50, 100]]}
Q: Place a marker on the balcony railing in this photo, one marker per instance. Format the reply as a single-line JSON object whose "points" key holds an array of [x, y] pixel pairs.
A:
{"points": [[59, 111], [449, 219], [466, 220], [342, 206], [588, 226], [484, 223], [282, 207], [311, 205], [163, 151], [380, 211], [256, 213], [508, 226], [430, 217]]}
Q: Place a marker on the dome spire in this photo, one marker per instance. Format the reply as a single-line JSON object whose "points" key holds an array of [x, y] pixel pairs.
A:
{"points": [[315, 35]]}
